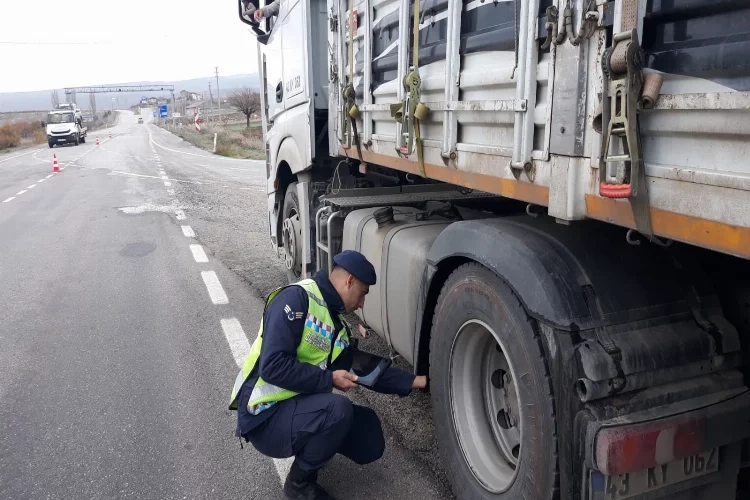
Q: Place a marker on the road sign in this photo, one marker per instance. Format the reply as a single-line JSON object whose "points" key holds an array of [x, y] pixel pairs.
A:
{"points": [[163, 111]]}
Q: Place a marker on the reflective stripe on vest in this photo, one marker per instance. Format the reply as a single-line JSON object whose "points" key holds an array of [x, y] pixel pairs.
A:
{"points": [[315, 347]]}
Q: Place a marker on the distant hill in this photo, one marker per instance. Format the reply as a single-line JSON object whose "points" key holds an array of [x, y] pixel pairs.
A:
{"points": [[41, 99]]}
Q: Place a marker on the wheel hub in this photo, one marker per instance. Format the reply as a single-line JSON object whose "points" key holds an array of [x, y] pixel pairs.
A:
{"points": [[486, 411], [292, 241]]}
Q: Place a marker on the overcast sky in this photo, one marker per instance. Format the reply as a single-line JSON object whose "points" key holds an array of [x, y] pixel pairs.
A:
{"points": [[45, 45]]}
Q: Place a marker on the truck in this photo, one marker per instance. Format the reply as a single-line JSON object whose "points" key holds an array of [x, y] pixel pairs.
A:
{"points": [[65, 125], [556, 197]]}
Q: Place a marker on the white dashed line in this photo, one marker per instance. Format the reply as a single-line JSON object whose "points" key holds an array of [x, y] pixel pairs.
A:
{"points": [[236, 339], [32, 186], [21, 192], [188, 231], [40, 181], [9, 199], [180, 214], [167, 183], [50, 175], [215, 290], [198, 253]]}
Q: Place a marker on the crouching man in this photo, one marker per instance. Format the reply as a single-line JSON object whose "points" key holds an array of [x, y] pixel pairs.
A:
{"points": [[283, 394]]}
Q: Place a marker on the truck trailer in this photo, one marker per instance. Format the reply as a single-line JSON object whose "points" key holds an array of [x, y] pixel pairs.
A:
{"points": [[556, 197]]}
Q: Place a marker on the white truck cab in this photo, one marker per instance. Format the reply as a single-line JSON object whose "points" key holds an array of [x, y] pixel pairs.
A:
{"points": [[65, 126]]}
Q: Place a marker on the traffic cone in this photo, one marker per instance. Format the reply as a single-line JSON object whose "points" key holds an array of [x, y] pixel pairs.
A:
{"points": [[110, 135], [97, 140], [55, 166]]}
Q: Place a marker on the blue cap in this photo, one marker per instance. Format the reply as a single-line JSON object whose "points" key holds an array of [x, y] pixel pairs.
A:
{"points": [[358, 265]]}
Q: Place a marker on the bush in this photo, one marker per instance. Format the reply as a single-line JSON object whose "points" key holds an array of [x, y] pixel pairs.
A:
{"points": [[40, 137], [224, 149], [9, 138], [27, 129]]}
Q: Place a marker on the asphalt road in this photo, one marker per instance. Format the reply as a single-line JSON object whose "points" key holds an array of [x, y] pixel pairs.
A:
{"points": [[131, 284]]}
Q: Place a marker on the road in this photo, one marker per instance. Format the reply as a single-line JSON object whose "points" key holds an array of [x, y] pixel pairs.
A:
{"points": [[132, 286]]}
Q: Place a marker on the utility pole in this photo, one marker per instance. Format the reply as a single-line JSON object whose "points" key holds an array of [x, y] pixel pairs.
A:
{"points": [[211, 97], [218, 95]]}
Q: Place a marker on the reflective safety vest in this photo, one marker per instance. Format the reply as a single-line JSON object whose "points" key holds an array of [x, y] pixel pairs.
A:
{"points": [[315, 349]]}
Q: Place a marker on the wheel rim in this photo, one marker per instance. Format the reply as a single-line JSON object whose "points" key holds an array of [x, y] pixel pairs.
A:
{"points": [[292, 240], [484, 401]]}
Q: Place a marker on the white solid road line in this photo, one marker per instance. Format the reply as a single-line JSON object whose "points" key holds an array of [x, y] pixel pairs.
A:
{"points": [[9, 199], [236, 339], [188, 231], [32, 186], [215, 290], [198, 253], [21, 192], [240, 347], [22, 154], [180, 214]]}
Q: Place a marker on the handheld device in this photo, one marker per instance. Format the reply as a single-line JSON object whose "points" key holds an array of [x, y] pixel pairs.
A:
{"points": [[368, 367]]}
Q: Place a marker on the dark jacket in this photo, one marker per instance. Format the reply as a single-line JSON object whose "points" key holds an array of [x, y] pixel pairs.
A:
{"points": [[278, 363]]}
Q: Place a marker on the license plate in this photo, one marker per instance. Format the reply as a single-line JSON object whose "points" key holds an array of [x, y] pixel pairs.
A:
{"points": [[62, 139], [622, 486]]}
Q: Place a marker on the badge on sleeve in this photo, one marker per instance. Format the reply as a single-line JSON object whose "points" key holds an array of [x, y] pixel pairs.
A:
{"points": [[291, 315]]}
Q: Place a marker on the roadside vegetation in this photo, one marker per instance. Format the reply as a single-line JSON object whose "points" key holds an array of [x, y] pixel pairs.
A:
{"points": [[238, 132], [232, 139], [22, 133]]}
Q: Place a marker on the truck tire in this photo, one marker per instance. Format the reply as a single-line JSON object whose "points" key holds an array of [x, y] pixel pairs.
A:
{"points": [[51, 144], [291, 234], [486, 364]]}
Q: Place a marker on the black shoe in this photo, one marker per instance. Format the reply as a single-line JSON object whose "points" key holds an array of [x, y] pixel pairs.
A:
{"points": [[302, 485]]}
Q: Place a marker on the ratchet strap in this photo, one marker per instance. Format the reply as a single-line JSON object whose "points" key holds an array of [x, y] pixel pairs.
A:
{"points": [[351, 110], [415, 110], [624, 94]]}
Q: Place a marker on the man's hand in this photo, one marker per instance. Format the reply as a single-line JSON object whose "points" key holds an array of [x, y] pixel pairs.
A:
{"points": [[420, 382], [343, 380], [258, 15]]}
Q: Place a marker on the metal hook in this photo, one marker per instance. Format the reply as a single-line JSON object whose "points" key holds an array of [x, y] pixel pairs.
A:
{"points": [[529, 212], [629, 238]]}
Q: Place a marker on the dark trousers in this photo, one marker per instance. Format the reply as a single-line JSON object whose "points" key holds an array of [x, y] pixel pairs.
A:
{"points": [[314, 427]]}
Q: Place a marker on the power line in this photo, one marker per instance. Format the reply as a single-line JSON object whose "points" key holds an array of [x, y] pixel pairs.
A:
{"points": [[14, 42]]}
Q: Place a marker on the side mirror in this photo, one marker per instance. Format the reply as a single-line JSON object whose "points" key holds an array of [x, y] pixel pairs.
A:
{"points": [[260, 35], [43, 124]]}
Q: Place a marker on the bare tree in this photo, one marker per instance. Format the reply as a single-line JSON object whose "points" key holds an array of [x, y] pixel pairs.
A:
{"points": [[245, 101]]}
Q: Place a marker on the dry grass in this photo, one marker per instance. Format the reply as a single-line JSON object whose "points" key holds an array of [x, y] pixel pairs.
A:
{"points": [[247, 144], [9, 137], [39, 137]]}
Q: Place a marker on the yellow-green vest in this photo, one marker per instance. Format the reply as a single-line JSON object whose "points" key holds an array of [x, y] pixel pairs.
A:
{"points": [[314, 349]]}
